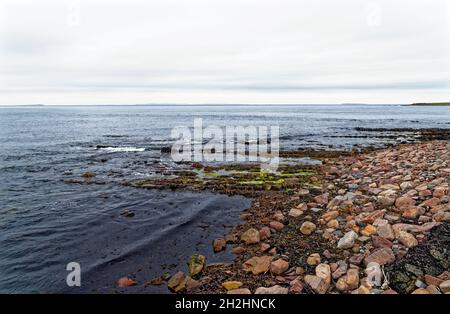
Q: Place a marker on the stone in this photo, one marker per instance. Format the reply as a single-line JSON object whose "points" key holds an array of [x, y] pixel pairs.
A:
{"points": [[307, 228], [390, 291], [257, 265], [279, 266], [238, 250], [445, 286], [432, 202], [347, 241], [323, 271], [239, 291], [278, 226], [356, 259], [272, 290], [126, 282], [368, 230], [433, 289], [385, 231], [407, 185], [431, 280], [313, 259], [177, 282], [321, 199], [264, 233], [333, 223], [421, 291], [251, 236], [232, 285], [361, 290], [411, 213], [330, 215], [379, 242], [296, 285], [348, 282], [381, 256], [404, 202], [264, 247], [196, 263], [219, 245], [191, 283], [386, 201], [374, 274], [303, 192], [316, 283], [294, 212], [278, 217], [341, 270], [407, 239]]}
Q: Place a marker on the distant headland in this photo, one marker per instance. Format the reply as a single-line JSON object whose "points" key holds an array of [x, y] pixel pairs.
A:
{"points": [[431, 104]]}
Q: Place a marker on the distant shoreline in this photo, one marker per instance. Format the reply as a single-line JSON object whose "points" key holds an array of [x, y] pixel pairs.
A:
{"points": [[431, 104]]}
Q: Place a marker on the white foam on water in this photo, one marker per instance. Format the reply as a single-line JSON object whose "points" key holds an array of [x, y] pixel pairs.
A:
{"points": [[123, 149]]}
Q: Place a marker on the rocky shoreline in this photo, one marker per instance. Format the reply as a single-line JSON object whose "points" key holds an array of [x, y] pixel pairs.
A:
{"points": [[373, 222]]}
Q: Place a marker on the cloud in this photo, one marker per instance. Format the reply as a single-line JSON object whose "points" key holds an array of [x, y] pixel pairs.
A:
{"points": [[223, 51]]}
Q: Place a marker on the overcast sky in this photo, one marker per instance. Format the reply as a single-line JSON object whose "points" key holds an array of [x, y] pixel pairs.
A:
{"points": [[230, 51]]}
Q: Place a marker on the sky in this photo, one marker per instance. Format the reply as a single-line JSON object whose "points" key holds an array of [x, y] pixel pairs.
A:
{"points": [[224, 51]]}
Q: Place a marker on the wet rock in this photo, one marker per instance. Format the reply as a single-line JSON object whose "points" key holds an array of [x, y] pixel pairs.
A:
{"points": [[251, 236], [177, 282], [279, 266], [88, 174], [272, 290], [307, 228], [196, 263], [127, 213], [232, 285], [125, 282], [257, 265], [219, 245], [191, 284], [347, 240]]}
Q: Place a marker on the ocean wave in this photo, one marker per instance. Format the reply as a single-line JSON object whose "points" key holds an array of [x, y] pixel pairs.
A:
{"points": [[122, 149]]}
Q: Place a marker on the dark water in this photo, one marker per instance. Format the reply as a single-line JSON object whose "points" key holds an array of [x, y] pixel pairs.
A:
{"points": [[46, 223]]}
